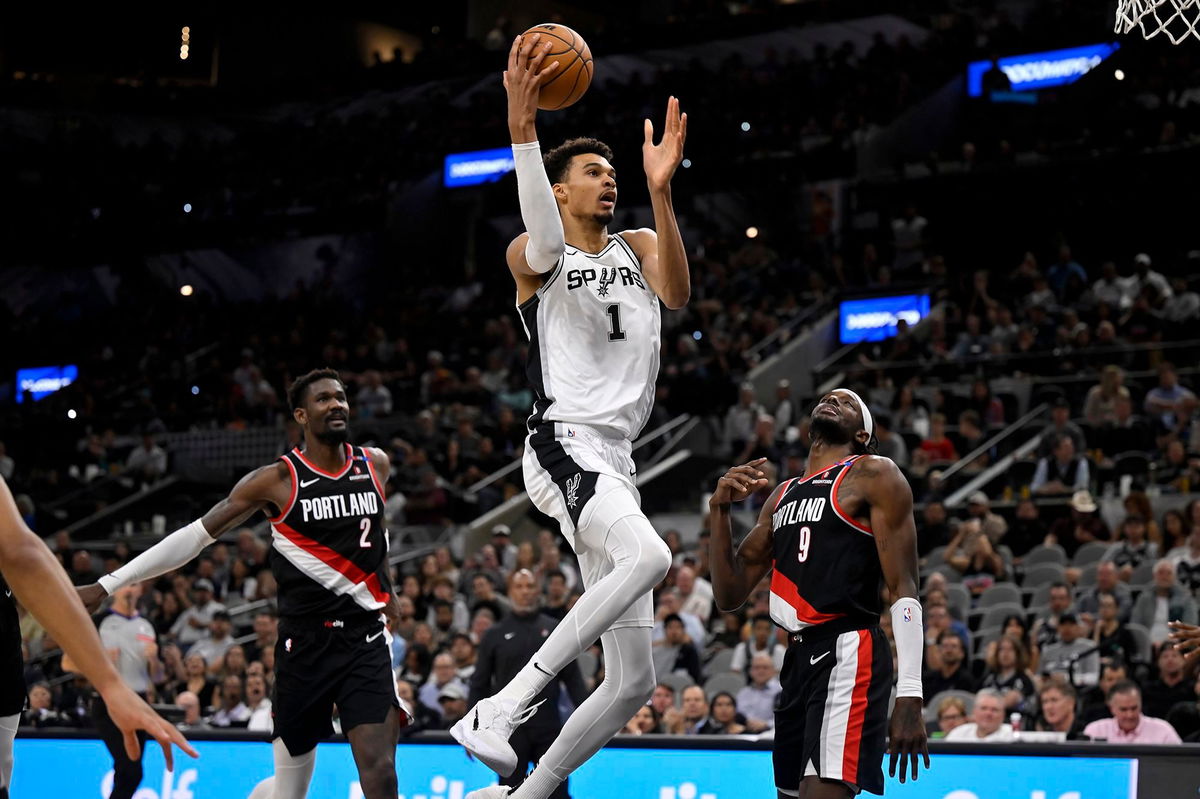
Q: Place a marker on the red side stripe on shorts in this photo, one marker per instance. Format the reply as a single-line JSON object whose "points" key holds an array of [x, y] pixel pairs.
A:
{"points": [[336, 561], [786, 590], [858, 708]]}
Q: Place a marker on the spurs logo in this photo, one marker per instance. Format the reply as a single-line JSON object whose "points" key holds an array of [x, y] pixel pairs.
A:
{"points": [[607, 276], [572, 489]]}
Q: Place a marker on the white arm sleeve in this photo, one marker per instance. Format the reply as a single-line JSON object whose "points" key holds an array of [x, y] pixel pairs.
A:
{"points": [[908, 630], [170, 553], [539, 210]]}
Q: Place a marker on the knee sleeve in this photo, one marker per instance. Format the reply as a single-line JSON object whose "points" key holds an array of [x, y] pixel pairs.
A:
{"points": [[292, 773]]}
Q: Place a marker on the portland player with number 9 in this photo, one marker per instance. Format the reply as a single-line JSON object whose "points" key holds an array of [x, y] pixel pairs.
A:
{"points": [[830, 536], [589, 301]]}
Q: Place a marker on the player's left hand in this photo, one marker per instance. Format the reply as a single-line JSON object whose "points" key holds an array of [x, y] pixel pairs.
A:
{"points": [[1186, 638], [907, 737], [130, 714], [661, 160]]}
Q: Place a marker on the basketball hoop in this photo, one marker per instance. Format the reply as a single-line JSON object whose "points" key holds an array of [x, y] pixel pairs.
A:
{"points": [[1178, 19]]}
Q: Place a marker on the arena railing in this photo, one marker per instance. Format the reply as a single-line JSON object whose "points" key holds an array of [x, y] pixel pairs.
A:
{"points": [[994, 441]]}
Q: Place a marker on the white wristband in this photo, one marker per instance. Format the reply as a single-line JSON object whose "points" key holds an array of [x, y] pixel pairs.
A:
{"points": [[539, 209], [170, 553], [908, 630]]}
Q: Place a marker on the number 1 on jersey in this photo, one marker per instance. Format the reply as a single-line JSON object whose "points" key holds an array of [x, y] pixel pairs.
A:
{"points": [[805, 540], [615, 333], [365, 526]]}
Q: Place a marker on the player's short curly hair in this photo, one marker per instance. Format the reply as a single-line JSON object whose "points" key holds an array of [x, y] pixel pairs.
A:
{"points": [[557, 160], [298, 392]]}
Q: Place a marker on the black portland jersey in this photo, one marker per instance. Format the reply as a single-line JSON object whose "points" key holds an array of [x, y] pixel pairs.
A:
{"points": [[329, 546], [826, 564]]}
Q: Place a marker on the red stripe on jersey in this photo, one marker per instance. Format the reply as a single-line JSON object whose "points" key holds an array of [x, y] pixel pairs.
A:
{"points": [[786, 590], [332, 559], [374, 476], [858, 708], [781, 493], [319, 470], [837, 508], [286, 509]]}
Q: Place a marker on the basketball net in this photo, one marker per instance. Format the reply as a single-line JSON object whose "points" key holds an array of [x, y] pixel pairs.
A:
{"points": [[1178, 19]]}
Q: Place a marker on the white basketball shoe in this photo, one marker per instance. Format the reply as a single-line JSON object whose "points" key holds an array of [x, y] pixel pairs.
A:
{"points": [[485, 730]]}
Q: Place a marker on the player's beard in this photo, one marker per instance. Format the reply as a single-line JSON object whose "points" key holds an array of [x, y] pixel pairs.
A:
{"points": [[603, 219], [830, 431], [330, 436]]}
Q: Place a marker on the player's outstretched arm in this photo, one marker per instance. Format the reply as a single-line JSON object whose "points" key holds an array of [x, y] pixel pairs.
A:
{"points": [[734, 575], [252, 493], [541, 247], [663, 257], [43, 588], [890, 498]]}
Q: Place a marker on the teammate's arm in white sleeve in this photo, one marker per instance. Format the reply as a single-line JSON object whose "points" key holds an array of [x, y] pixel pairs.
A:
{"points": [[545, 240], [253, 493], [890, 498]]}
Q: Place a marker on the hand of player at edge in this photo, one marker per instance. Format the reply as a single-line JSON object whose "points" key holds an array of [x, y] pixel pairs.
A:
{"points": [[661, 160], [92, 596], [907, 737], [1186, 638], [523, 81], [738, 483], [130, 714]]}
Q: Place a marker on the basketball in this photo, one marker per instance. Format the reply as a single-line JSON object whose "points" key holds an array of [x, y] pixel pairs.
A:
{"points": [[574, 74]]}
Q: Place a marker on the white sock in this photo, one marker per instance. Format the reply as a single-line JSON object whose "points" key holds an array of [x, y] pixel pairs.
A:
{"points": [[640, 560], [8, 731], [292, 773], [628, 684]]}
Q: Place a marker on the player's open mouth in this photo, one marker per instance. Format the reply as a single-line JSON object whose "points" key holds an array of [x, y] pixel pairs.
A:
{"points": [[338, 418], [608, 199]]}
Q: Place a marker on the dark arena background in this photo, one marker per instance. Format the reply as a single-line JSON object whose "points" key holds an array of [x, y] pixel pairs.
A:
{"points": [[980, 215]]}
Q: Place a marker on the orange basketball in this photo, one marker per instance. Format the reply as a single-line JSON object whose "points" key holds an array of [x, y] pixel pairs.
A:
{"points": [[574, 74]]}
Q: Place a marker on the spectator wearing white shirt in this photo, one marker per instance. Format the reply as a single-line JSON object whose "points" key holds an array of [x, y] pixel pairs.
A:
{"points": [[1061, 472], [1184, 304], [147, 462], [1166, 601], [193, 623], [740, 419], [988, 721], [219, 640], [374, 398], [258, 704], [762, 640], [1111, 288], [233, 711], [1144, 276], [908, 240], [696, 593]]}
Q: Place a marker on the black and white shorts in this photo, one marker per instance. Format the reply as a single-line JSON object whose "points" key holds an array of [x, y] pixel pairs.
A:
{"points": [[831, 720], [585, 481]]}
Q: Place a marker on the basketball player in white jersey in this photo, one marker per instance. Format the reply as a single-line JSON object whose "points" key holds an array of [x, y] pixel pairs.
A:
{"points": [[589, 302]]}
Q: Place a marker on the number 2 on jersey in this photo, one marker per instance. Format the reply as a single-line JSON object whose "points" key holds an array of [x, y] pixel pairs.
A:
{"points": [[805, 540], [615, 333], [365, 526]]}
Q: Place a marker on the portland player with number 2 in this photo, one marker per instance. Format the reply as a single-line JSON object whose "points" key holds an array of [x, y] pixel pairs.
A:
{"points": [[329, 548], [589, 301], [830, 536]]}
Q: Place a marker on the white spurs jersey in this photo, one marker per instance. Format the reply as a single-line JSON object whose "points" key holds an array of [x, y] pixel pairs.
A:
{"points": [[594, 329]]}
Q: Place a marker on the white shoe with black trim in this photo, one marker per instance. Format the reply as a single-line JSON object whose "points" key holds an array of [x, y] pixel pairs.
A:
{"points": [[485, 730], [490, 792]]}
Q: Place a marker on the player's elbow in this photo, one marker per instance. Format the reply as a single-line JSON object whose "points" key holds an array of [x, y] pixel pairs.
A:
{"points": [[727, 601], [678, 298]]}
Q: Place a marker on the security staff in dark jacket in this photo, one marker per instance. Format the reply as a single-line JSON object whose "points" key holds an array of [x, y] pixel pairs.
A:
{"points": [[505, 649]]}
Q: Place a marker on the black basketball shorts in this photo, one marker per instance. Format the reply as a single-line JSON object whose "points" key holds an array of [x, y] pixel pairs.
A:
{"points": [[12, 676], [317, 666], [831, 720]]}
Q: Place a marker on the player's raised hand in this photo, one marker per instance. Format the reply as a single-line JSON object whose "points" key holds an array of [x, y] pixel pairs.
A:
{"points": [[1186, 638], [524, 77], [907, 738], [662, 159], [739, 483]]}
